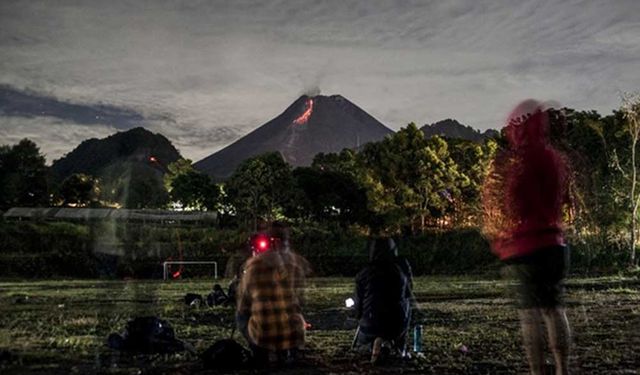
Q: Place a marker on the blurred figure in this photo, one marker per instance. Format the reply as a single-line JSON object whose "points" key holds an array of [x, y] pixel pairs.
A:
{"points": [[270, 299], [383, 300], [524, 196], [232, 290]]}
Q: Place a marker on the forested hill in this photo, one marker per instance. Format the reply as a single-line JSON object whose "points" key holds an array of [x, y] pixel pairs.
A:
{"points": [[453, 129], [136, 145]]}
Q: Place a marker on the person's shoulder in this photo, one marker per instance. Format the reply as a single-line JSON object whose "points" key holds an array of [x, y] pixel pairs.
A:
{"points": [[253, 263]]}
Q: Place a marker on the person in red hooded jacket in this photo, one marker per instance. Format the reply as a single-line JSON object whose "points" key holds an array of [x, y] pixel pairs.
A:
{"points": [[524, 197]]}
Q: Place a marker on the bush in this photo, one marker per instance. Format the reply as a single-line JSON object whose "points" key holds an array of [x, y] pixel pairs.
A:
{"points": [[109, 249], [451, 252], [46, 249]]}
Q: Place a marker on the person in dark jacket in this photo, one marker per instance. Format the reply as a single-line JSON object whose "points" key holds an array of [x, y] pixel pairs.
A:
{"points": [[383, 299]]}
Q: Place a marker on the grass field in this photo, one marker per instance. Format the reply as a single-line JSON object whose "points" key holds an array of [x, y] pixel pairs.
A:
{"points": [[60, 327]]}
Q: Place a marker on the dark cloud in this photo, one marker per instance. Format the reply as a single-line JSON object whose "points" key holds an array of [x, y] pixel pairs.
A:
{"points": [[27, 103]]}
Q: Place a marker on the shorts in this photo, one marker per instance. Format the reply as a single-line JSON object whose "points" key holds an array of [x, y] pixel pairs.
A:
{"points": [[540, 277]]}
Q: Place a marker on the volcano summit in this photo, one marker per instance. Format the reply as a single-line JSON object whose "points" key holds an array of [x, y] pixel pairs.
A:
{"points": [[309, 126]]}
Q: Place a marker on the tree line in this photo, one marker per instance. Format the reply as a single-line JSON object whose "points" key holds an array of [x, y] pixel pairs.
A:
{"points": [[404, 184]]}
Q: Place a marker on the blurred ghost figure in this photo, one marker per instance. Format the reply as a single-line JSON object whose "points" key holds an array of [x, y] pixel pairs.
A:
{"points": [[524, 195], [270, 300]]}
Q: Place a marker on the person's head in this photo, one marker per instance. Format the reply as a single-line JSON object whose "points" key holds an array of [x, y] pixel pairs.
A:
{"points": [[276, 239], [528, 124], [382, 249]]}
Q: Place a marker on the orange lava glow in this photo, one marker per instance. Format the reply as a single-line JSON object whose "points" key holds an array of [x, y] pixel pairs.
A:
{"points": [[304, 117]]}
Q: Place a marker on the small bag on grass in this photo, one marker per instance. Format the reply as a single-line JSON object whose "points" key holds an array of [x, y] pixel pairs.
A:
{"points": [[147, 335], [193, 300]]}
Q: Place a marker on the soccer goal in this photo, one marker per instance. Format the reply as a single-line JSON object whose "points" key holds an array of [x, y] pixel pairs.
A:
{"points": [[166, 264]]}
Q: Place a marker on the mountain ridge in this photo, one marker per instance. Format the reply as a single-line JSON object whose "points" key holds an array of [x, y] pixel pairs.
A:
{"points": [[451, 128]]}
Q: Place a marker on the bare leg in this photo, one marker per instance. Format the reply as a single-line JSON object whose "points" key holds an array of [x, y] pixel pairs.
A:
{"points": [[559, 337], [532, 334]]}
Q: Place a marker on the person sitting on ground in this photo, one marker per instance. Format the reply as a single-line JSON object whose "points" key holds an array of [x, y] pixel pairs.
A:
{"points": [[270, 298], [383, 300]]}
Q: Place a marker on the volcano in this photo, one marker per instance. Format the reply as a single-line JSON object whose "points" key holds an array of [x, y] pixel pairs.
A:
{"points": [[312, 124]]}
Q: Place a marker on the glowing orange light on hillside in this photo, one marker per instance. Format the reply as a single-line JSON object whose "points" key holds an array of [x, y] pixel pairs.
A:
{"points": [[304, 117]]}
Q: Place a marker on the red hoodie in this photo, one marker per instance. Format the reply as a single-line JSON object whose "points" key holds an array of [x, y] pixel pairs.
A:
{"points": [[533, 187]]}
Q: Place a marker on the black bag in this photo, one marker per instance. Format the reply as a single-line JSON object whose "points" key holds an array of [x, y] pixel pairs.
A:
{"points": [[147, 335], [217, 297], [193, 299], [227, 355]]}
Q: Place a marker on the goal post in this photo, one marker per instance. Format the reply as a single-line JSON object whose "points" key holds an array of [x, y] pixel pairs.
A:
{"points": [[166, 264]]}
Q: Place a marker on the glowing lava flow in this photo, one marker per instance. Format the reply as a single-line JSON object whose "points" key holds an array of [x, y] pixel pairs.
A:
{"points": [[304, 117]]}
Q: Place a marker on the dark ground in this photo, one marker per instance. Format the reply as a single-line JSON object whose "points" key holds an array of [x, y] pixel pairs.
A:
{"points": [[59, 327]]}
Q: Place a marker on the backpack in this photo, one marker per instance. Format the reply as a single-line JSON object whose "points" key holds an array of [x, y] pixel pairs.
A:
{"points": [[217, 296], [226, 354], [147, 335], [193, 299]]}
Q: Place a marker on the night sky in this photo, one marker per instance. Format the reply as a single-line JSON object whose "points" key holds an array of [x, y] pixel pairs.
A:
{"points": [[204, 73]]}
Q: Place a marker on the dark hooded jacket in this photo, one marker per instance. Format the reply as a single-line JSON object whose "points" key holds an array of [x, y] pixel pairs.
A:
{"points": [[383, 292]]}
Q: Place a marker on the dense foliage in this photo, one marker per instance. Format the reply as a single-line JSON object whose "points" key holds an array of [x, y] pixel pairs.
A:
{"points": [[23, 176]]}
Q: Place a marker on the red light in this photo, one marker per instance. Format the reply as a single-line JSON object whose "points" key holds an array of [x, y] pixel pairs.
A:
{"points": [[176, 274], [153, 159], [260, 244]]}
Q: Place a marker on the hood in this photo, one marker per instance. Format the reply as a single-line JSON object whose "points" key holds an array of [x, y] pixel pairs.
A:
{"points": [[382, 250], [528, 124]]}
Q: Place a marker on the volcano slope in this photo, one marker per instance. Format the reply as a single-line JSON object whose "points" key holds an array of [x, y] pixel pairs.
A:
{"points": [[312, 124]]}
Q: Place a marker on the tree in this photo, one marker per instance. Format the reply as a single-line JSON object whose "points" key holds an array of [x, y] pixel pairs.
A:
{"points": [[23, 176], [409, 177], [79, 189], [190, 188], [175, 169], [629, 170], [344, 162], [195, 190], [473, 160], [331, 196], [260, 187]]}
